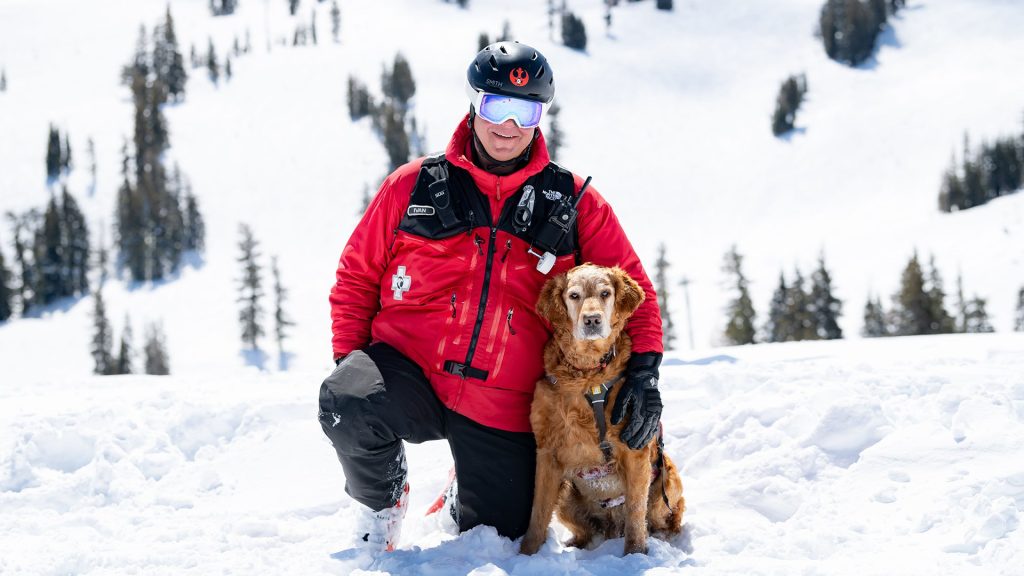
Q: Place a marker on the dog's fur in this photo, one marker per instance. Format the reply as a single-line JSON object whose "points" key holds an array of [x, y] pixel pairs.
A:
{"points": [[563, 421]]}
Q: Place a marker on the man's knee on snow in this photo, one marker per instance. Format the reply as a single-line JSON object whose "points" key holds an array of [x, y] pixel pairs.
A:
{"points": [[344, 395]]}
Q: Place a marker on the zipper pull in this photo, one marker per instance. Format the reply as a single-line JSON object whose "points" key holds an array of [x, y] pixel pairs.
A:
{"points": [[479, 243], [508, 319], [453, 304], [508, 247]]}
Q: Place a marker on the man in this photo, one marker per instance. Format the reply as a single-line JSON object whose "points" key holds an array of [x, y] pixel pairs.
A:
{"points": [[435, 332]]}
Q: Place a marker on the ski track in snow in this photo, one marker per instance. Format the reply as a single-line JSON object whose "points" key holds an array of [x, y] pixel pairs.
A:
{"points": [[869, 457]]}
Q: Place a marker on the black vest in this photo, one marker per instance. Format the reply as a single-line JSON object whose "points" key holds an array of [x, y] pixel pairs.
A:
{"points": [[446, 202]]}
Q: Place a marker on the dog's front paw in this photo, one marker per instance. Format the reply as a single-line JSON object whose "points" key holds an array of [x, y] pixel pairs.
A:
{"points": [[530, 544], [635, 546]]}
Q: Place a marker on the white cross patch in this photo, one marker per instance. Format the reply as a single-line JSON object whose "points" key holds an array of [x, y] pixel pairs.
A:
{"points": [[400, 282]]}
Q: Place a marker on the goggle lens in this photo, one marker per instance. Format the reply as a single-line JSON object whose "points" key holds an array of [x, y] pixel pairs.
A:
{"points": [[496, 109]]}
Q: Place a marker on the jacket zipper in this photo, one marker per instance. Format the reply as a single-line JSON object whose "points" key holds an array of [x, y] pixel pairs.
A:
{"points": [[453, 304], [508, 248], [483, 297], [508, 319]]}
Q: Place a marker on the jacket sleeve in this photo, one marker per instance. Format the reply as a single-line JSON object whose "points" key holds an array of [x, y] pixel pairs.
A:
{"points": [[603, 242], [355, 297]]}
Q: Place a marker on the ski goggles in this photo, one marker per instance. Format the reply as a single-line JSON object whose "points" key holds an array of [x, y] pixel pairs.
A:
{"points": [[496, 108]]}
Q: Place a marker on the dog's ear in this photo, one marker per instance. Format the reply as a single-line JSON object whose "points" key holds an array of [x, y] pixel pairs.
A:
{"points": [[628, 295], [550, 304]]}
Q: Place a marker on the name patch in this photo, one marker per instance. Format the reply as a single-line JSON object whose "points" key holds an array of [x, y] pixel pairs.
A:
{"points": [[417, 210]]}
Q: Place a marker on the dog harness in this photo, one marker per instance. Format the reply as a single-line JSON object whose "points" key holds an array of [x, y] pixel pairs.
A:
{"points": [[596, 397]]}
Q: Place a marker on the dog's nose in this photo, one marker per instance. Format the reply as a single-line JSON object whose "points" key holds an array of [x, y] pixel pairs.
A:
{"points": [[591, 319]]}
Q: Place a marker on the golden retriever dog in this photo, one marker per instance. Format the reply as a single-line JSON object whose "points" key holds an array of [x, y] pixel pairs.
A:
{"points": [[607, 492]]}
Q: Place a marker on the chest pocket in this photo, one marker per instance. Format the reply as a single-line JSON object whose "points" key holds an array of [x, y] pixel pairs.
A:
{"points": [[444, 203]]}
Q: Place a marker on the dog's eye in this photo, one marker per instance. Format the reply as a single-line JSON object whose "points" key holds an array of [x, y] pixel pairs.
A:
{"points": [[574, 296], [605, 293]]}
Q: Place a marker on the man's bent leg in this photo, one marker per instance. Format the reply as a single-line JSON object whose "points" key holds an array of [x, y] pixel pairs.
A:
{"points": [[375, 399], [495, 471]]}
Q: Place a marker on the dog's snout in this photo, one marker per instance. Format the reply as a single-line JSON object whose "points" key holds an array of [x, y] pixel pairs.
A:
{"points": [[591, 319]]}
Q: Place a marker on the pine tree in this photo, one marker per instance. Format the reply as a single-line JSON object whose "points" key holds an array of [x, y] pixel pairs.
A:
{"points": [[574, 33], [102, 337], [23, 228], [661, 287], [6, 291], [976, 317], [281, 320], [227, 68], [779, 327], [482, 41], [551, 20], [250, 289], [875, 324], [555, 138], [335, 21], [3, 80], [396, 140], [102, 259], [799, 310], [1018, 321], [49, 256], [65, 154], [90, 151], [129, 225], [223, 7], [848, 30], [172, 72], [155, 351], [951, 192], [739, 327], [941, 321], [399, 84], [912, 308], [664, 5], [312, 28], [123, 364], [360, 103], [826, 308], [506, 32], [788, 101], [194, 227], [75, 246], [212, 67], [53, 154], [293, 6]]}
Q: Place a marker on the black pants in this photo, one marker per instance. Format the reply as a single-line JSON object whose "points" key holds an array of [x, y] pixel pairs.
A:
{"points": [[376, 398]]}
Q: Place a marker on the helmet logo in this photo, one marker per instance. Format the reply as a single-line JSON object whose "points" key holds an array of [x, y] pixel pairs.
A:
{"points": [[519, 76]]}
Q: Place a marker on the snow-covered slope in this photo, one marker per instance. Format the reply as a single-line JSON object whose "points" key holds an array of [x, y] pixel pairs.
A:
{"points": [[862, 457]]}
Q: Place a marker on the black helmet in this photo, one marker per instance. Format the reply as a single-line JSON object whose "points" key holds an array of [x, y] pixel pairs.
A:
{"points": [[512, 69]]}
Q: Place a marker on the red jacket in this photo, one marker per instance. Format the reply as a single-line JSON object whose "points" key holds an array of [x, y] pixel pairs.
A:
{"points": [[434, 319]]}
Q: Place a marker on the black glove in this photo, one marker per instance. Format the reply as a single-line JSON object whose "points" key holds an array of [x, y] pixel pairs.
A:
{"points": [[640, 394]]}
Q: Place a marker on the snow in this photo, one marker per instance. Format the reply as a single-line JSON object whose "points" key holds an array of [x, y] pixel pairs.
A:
{"points": [[896, 456], [867, 457]]}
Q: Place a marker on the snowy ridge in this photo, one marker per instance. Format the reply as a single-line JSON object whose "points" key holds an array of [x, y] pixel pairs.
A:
{"points": [[823, 458]]}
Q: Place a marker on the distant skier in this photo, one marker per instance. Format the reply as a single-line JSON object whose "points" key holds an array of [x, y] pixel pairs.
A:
{"points": [[435, 332]]}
